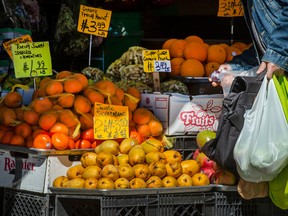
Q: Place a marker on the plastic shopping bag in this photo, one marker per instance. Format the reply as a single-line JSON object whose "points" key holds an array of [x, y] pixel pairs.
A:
{"points": [[261, 149]]}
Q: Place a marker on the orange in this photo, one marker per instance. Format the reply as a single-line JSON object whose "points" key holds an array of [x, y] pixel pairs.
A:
{"points": [[224, 45], [57, 107], [120, 94], [232, 51], [44, 81], [137, 136], [72, 85], [82, 78], [175, 66], [141, 115], [192, 68], [60, 141], [134, 92], [13, 99], [68, 118], [8, 117], [143, 130], [167, 43], [47, 120], [195, 50], [210, 67], [6, 138], [155, 127], [42, 105], [194, 38], [114, 100], [93, 96], [177, 48], [71, 144], [86, 121], [131, 104], [66, 100], [30, 116], [23, 129], [216, 53], [29, 142], [17, 140], [59, 127], [38, 131], [106, 87], [54, 87], [39, 93], [63, 74], [240, 45], [82, 104], [42, 141], [19, 113]]}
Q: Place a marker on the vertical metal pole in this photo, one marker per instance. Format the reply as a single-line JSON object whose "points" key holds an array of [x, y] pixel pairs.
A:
{"points": [[232, 30], [90, 50]]}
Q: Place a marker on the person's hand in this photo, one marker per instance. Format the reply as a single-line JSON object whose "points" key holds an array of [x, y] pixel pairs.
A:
{"points": [[271, 69], [221, 67]]}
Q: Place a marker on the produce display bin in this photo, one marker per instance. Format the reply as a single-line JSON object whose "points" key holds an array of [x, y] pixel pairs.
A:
{"points": [[24, 203]]}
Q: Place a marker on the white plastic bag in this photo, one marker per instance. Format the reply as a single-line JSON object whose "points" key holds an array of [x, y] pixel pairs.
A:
{"points": [[261, 151]]}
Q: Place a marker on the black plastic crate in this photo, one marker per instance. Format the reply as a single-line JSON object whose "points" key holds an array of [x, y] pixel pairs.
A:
{"points": [[186, 145], [231, 203], [18, 202]]}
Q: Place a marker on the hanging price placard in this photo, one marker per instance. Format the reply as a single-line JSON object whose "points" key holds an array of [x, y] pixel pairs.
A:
{"points": [[156, 61], [230, 8], [31, 59], [110, 121], [22, 39], [94, 21]]}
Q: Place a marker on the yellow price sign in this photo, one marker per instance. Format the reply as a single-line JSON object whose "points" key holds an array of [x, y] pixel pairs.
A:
{"points": [[31, 59], [156, 60], [110, 121], [22, 39], [94, 21], [230, 8]]}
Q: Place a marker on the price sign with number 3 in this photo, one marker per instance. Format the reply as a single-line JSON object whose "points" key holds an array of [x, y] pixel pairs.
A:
{"points": [[94, 21]]}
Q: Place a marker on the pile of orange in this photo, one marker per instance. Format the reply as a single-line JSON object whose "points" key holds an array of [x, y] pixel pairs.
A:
{"points": [[192, 57], [62, 110]]}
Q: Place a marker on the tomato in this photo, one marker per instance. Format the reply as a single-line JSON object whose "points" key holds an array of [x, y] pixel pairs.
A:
{"points": [[136, 135], [88, 135], [82, 144]]}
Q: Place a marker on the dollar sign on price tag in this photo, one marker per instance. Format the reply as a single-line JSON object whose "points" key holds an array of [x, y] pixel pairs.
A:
{"points": [[230, 8]]}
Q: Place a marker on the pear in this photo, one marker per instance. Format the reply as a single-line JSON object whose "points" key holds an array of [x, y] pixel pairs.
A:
{"points": [[91, 183], [122, 183], [122, 159], [136, 155], [74, 183], [152, 145], [173, 155], [142, 171], [75, 171], [88, 159], [155, 156], [104, 158], [173, 169], [190, 167], [105, 183], [158, 168], [169, 181], [184, 180], [110, 146], [126, 171], [127, 144], [92, 171], [58, 182], [110, 171], [154, 182], [137, 183]]}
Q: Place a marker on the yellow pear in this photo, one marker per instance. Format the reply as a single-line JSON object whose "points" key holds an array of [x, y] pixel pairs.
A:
{"points": [[173, 169], [92, 171], [75, 171], [90, 183], [126, 171], [58, 182], [157, 168], [152, 145], [122, 159], [110, 146], [184, 180], [136, 155], [104, 158], [155, 156], [74, 183], [169, 181], [105, 183], [200, 179], [110, 171], [115, 160], [142, 171], [127, 144], [154, 182], [137, 183], [122, 183], [190, 167], [173, 155], [88, 159]]}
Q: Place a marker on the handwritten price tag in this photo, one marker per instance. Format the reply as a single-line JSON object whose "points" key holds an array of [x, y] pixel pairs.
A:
{"points": [[31, 59], [22, 39], [230, 8], [94, 21], [156, 61], [110, 121]]}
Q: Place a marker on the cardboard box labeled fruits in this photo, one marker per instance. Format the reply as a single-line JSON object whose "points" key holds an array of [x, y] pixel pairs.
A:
{"points": [[30, 171], [184, 114]]}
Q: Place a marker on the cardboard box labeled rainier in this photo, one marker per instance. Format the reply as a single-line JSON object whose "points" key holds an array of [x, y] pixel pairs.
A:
{"points": [[184, 114]]}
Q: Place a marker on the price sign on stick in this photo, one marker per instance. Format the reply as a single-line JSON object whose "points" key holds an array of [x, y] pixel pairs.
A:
{"points": [[31, 59], [22, 39], [94, 21], [155, 61], [230, 8], [110, 121]]}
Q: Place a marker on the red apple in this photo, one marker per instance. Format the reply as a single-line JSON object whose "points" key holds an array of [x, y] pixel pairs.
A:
{"points": [[195, 154], [204, 136], [209, 171]]}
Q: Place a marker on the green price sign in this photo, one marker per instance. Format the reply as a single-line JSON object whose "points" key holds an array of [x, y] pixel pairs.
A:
{"points": [[31, 59]]}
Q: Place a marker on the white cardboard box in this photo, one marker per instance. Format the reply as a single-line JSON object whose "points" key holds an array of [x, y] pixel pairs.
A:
{"points": [[184, 114], [34, 173]]}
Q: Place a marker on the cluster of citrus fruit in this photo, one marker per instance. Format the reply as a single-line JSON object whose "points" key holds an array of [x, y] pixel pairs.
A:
{"points": [[61, 113], [193, 57], [131, 164]]}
